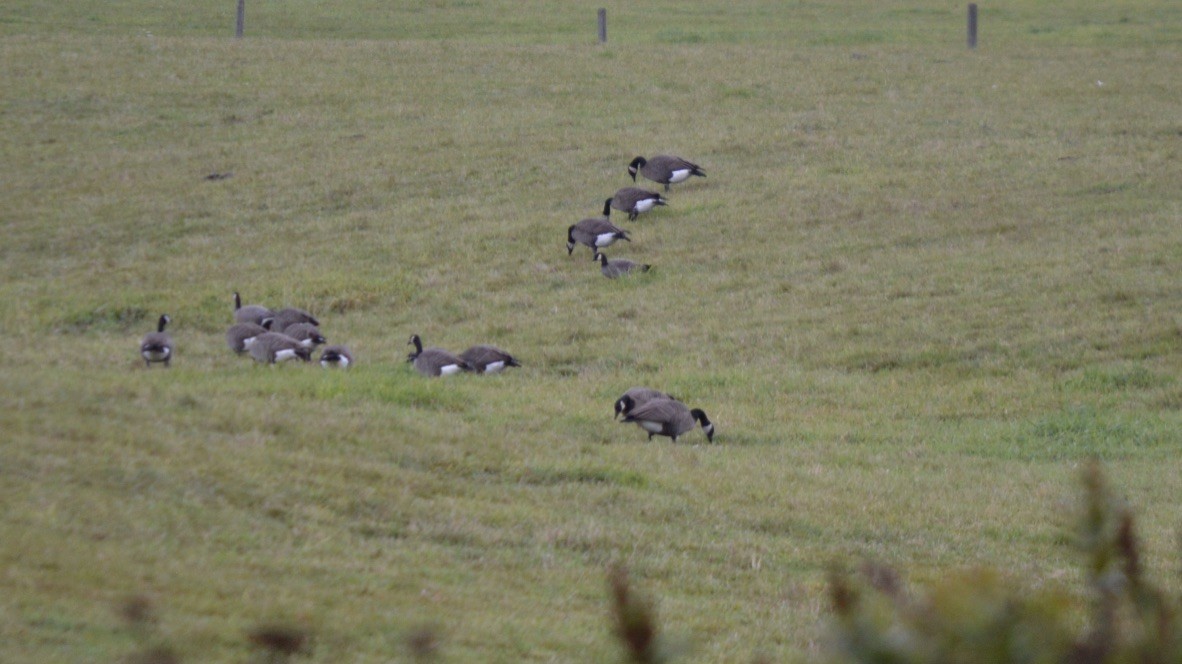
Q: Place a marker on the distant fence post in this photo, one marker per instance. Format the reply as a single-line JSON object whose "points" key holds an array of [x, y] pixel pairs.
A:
{"points": [[972, 25], [602, 26], [240, 26]]}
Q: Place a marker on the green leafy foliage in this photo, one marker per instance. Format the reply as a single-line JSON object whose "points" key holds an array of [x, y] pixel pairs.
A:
{"points": [[987, 616]]}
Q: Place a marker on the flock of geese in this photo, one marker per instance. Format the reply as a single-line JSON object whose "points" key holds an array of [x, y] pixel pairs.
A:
{"points": [[273, 336]]}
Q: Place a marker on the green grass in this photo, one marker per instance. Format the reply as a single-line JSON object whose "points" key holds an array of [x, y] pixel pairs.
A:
{"points": [[919, 287]]}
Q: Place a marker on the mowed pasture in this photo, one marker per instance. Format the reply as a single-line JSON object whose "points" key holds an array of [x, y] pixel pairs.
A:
{"points": [[918, 289]]}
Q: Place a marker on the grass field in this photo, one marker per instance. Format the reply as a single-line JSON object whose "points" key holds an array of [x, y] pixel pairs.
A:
{"points": [[919, 287]]}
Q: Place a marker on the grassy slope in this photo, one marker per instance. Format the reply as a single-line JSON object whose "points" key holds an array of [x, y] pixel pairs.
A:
{"points": [[918, 286]]}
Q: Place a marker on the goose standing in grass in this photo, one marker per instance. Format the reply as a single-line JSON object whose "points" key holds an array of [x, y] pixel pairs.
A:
{"points": [[291, 316], [157, 346], [434, 361], [488, 359], [633, 201], [618, 266], [668, 417], [596, 233], [274, 347], [307, 334], [664, 169], [241, 335], [638, 396], [251, 313], [338, 357]]}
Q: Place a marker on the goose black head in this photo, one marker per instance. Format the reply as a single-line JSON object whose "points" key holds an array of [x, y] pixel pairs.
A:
{"points": [[237, 301], [624, 405], [637, 164], [570, 240], [601, 258], [164, 320], [707, 425], [607, 208]]}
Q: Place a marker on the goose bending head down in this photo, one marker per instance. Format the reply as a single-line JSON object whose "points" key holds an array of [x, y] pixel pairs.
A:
{"points": [[668, 417], [665, 169], [338, 357], [596, 233]]}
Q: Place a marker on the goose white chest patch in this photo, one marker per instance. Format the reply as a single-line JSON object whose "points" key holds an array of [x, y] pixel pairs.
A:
{"points": [[645, 205], [679, 175], [285, 355], [651, 427], [449, 370], [604, 239], [494, 367]]}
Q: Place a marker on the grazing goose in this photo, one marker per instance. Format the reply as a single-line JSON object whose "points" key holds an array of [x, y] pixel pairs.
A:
{"points": [[633, 201], [665, 169], [434, 361], [273, 347], [619, 266], [307, 334], [336, 357], [596, 232], [488, 359], [251, 313], [157, 346], [638, 396], [290, 316], [241, 335], [668, 417]]}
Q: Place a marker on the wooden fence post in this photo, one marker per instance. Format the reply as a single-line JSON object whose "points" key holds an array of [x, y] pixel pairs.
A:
{"points": [[972, 25], [240, 26], [602, 26]]}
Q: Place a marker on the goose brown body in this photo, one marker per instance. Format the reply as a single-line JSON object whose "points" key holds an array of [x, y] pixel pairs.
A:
{"points": [[251, 313], [634, 201], [668, 417], [275, 347], [665, 169], [596, 233], [637, 396], [619, 266], [434, 361], [157, 346], [240, 336], [488, 359]]}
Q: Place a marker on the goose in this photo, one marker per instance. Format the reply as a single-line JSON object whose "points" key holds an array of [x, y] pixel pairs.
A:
{"points": [[290, 316], [596, 233], [336, 356], [307, 334], [157, 346], [241, 335], [434, 361], [488, 359], [665, 169], [668, 417], [251, 313], [633, 201], [638, 396], [274, 347], [619, 266]]}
